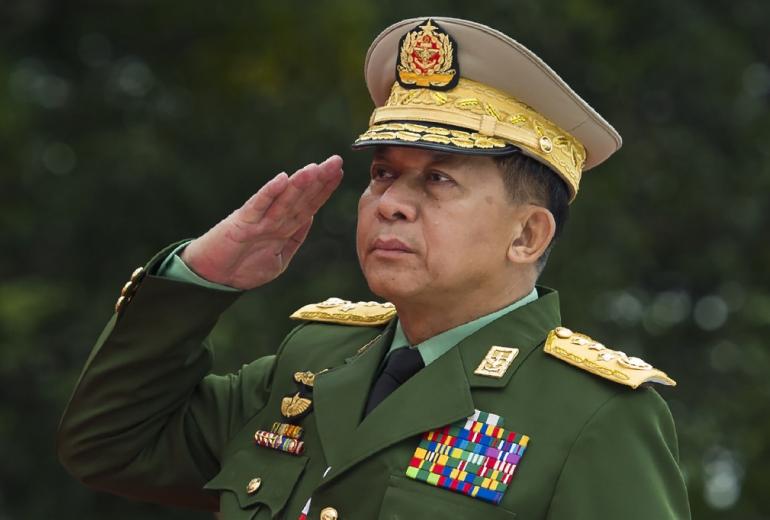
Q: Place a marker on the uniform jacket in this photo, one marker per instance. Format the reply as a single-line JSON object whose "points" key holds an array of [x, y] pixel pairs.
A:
{"points": [[148, 421]]}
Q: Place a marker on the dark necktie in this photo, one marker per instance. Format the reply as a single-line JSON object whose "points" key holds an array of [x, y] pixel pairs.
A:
{"points": [[402, 364]]}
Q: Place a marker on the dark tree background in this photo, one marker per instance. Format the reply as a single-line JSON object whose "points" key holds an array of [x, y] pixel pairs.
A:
{"points": [[126, 125]]}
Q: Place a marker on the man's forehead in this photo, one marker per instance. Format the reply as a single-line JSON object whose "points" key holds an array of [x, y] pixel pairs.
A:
{"points": [[393, 153]]}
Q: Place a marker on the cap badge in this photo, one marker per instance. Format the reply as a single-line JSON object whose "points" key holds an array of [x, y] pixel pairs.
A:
{"points": [[427, 59]]}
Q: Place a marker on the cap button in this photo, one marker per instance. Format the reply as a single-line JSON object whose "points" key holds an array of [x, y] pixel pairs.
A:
{"points": [[546, 145]]}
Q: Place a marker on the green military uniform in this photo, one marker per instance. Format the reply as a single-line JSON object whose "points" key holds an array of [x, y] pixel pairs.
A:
{"points": [[513, 416], [147, 421]]}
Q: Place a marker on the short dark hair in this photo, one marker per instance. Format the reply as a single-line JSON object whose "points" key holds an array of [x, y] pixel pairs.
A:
{"points": [[528, 181]]}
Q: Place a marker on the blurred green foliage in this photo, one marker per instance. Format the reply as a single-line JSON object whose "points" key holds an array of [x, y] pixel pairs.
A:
{"points": [[126, 125]]}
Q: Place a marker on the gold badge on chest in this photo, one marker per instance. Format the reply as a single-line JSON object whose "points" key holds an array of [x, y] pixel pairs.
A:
{"points": [[295, 406], [306, 378], [497, 361]]}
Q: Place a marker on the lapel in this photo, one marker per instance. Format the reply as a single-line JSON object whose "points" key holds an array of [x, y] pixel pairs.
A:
{"points": [[437, 395], [340, 395]]}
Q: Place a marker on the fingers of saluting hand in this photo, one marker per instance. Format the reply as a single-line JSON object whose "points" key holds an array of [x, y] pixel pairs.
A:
{"points": [[287, 202], [254, 208], [301, 199], [292, 245]]}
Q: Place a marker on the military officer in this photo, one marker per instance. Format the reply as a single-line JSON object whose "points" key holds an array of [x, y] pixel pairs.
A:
{"points": [[464, 397]]}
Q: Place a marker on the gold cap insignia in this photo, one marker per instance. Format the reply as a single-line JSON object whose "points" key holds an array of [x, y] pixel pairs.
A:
{"points": [[427, 58], [583, 352], [295, 406]]}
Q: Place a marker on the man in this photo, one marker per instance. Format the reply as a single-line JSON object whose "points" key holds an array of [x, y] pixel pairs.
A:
{"points": [[463, 397]]}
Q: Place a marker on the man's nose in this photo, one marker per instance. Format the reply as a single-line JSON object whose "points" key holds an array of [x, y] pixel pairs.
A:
{"points": [[398, 201]]}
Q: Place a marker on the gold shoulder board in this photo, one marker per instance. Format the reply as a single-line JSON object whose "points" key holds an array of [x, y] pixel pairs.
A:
{"points": [[344, 312], [583, 352]]}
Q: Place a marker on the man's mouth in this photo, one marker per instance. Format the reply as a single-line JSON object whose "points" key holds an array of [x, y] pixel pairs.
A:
{"points": [[393, 245]]}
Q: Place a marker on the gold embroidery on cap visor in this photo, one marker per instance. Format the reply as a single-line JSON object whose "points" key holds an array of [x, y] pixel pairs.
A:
{"points": [[412, 133], [491, 118]]}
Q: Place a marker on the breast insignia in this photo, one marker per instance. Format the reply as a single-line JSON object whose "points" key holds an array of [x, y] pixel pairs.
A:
{"points": [[295, 406], [583, 352], [345, 312]]}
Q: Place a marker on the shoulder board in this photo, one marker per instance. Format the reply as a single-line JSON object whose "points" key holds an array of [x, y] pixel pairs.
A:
{"points": [[344, 312], [583, 352]]}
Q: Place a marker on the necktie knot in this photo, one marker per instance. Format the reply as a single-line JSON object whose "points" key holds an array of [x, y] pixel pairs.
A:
{"points": [[401, 364]]}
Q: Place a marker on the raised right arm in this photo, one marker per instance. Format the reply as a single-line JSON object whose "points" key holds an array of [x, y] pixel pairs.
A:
{"points": [[146, 420]]}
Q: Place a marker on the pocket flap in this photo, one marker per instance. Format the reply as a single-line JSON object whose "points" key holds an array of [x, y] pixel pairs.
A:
{"points": [[278, 471], [406, 498]]}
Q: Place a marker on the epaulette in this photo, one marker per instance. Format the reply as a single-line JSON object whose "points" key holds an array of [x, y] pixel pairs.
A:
{"points": [[344, 312], [583, 352]]}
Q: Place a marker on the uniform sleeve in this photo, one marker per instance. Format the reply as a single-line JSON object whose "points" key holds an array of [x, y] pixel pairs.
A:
{"points": [[174, 268], [146, 420], [624, 464]]}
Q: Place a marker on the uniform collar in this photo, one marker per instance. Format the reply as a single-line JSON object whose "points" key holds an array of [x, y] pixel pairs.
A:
{"points": [[433, 348]]}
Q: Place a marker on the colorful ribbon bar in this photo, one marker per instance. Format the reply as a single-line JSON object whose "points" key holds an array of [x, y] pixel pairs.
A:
{"points": [[279, 442], [476, 457], [289, 430]]}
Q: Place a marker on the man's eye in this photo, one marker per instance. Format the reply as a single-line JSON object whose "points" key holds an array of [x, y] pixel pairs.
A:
{"points": [[438, 177], [380, 174]]}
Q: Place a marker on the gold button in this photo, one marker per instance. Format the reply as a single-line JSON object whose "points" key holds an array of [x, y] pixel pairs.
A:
{"points": [[128, 288], [253, 485], [545, 144], [137, 274], [329, 513], [563, 332], [119, 304]]}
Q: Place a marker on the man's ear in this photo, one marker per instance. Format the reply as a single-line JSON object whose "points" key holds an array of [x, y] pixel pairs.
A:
{"points": [[534, 233]]}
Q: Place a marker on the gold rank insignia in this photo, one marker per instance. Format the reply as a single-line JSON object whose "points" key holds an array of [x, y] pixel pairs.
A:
{"points": [[295, 406], [427, 58], [583, 352], [345, 312], [497, 361]]}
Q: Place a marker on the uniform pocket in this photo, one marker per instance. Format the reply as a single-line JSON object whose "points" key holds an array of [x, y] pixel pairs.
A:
{"points": [[407, 499], [278, 474]]}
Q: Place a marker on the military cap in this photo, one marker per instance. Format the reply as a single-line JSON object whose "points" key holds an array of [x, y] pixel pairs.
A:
{"points": [[460, 86]]}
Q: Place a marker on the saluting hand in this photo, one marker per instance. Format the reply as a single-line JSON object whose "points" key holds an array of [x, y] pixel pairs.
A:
{"points": [[256, 242]]}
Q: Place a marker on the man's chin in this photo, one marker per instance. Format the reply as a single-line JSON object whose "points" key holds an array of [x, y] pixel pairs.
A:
{"points": [[388, 287]]}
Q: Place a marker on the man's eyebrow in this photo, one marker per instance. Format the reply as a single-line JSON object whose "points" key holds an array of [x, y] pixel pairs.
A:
{"points": [[436, 157], [446, 157]]}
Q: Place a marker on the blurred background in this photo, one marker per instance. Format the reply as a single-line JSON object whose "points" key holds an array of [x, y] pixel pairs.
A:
{"points": [[127, 125]]}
